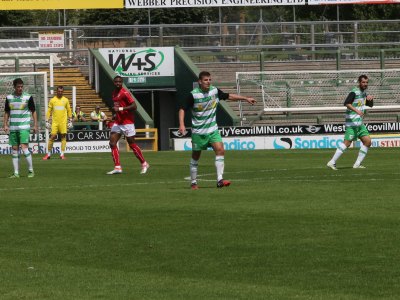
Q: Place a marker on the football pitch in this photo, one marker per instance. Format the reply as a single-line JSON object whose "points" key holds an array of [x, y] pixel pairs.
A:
{"points": [[287, 227]]}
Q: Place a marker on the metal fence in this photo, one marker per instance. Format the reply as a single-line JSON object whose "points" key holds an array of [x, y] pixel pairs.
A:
{"points": [[317, 35], [239, 44]]}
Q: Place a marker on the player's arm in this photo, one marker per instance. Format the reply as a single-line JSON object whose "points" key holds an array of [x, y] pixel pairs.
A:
{"points": [[182, 128], [369, 101], [349, 103], [69, 114], [181, 113], [235, 97], [32, 108], [130, 101], [49, 110], [131, 106], [69, 110], [6, 116]]}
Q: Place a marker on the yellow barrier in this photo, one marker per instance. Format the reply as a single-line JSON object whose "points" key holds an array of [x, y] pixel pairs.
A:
{"points": [[146, 134]]}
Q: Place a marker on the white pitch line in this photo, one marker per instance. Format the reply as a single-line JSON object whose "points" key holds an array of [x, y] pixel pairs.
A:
{"points": [[89, 185], [333, 173], [298, 178]]}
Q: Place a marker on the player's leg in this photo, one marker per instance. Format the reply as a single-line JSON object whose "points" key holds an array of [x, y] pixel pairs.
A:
{"points": [[130, 132], [62, 129], [24, 141], [342, 147], [63, 145], [14, 143], [53, 135], [28, 157], [366, 143], [114, 138], [199, 143], [194, 165], [49, 147], [218, 147]]}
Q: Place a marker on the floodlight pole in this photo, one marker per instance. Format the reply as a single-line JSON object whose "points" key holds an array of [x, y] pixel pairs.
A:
{"points": [[149, 19]]}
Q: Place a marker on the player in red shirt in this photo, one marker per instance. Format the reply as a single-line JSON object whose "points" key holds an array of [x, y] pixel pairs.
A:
{"points": [[124, 123]]}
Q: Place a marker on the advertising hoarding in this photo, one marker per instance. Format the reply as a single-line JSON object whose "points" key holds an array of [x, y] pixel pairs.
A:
{"points": [[340, 2], [141, 62], [57, 4], [207, 3]]}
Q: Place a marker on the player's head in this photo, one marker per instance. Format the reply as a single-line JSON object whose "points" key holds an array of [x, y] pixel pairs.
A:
{"points": [[17, 81], [60, 91], [18, 86], [118, 81], [204, 80], [363, 82]]}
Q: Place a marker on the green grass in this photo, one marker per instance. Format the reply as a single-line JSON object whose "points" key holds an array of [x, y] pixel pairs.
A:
{"points": [[287, 228]]}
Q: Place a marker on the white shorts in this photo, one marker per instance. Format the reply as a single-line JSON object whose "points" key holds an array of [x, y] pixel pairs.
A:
{"points": [[127, 129]]}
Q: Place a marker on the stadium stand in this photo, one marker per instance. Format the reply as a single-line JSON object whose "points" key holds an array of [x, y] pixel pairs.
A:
{"points": [[86, 97]]}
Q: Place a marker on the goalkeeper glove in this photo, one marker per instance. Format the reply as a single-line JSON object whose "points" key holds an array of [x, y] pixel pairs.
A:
{"points": [[69, 124], [48, 125]]}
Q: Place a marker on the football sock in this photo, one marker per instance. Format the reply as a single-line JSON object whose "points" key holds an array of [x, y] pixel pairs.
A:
{"points": [[361, 155], [194, 164], [115, 156], [137, 152], [219, 164], [50, 147], [15, 159], [63, 144], [339, 151], [28, 157]]}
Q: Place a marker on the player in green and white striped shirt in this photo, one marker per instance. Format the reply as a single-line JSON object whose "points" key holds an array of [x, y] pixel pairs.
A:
{"points": [[355, 102], [17, 122], [203, 102]]}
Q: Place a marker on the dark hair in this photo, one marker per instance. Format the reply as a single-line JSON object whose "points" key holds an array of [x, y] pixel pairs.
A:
{"points": [[204, 74], [117, 77], [17, 81], [361, 77], [60, 87]]}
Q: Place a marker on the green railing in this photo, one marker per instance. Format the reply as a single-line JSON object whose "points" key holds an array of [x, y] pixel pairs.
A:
{"points": [[262, 57]]}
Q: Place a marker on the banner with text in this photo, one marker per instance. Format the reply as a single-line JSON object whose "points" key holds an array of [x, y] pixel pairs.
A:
{"points": [[339, 2], [269, 142], [85, 141], [140, 63], [57, 4], [290, 142], [290, 130], [51, 40], [207, 3]]}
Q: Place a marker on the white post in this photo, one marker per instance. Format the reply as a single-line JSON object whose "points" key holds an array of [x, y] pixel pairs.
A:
{"points": [[240, 101], [90, 67], [96, 76], [51, 67], [46, 103], [70, 42], [147, 133], [73, 98]]}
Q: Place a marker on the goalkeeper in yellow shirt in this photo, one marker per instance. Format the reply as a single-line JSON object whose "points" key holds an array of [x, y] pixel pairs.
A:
{"points": [[56, 118]]}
